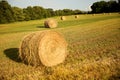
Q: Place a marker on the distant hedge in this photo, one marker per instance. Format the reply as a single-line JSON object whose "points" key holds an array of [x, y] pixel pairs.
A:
{"points": [[106, 7], [11, 14]]}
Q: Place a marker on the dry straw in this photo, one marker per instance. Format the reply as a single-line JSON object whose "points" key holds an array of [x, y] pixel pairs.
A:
{"points": [[76, 16], [46, 47], [50, 23], [63, 18]]}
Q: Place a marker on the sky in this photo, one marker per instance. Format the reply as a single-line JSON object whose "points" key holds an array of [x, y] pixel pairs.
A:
{"points": [[83, 5]]}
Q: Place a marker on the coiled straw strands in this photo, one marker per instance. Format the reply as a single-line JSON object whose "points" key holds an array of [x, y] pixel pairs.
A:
{"points": [[46, 47]]}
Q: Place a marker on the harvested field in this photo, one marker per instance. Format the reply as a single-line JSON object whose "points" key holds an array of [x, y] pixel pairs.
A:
{"points": [[93, 45]]}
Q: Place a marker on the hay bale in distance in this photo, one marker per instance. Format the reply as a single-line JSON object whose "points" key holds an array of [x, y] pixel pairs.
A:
{"points": [[93, 14], [63, 18], [46, 47], [50, 23], [76, 16]]}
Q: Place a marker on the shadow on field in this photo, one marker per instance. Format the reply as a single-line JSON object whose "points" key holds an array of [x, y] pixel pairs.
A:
{"points": [[12, 53], [40, 26]]}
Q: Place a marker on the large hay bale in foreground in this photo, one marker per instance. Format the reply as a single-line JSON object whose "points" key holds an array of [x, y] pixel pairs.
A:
{"points": [[76, 16], [63, 18], [50, 23], [47, 47]]}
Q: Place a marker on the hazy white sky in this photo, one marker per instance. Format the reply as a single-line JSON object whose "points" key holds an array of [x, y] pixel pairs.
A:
{"points": [[55, 4]]}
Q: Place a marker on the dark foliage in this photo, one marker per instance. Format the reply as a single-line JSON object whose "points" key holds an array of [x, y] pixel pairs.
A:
{"points": [[6, 12], [105, 7], [11, 14]]}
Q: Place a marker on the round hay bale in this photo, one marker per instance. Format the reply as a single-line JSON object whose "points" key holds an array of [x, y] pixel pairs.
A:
{"points": [[93, 14], [63, 18], [50, 23], [76, 16], [46, 47]]}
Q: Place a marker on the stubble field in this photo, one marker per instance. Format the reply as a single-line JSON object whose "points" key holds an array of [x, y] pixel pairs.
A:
{"points": [[93, 47]]}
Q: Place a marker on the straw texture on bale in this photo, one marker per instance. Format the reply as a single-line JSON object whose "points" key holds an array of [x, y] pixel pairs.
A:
{"points": [[46, 47], [63, 18], [76, 16], [50, 23]]}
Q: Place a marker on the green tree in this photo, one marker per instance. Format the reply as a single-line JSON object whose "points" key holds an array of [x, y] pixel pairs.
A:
{"points": [[6, 12], [67, 11], [99, 7], [59, 12], [30, 12], [26, 14], [35, 12], [119, 5], [113, 6], [38, 12], [50, 12], [77, 11], [102, 6], [18, 14], [11, 14], [47, 13]]}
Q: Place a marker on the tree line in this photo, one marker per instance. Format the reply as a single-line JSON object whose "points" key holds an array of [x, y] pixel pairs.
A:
{"points": [[106, 7], [11, 14]]}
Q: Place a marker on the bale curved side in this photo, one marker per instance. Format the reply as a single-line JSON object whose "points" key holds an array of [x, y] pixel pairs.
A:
{"points": [[50, 23], [28, 50], [47, 47]]}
